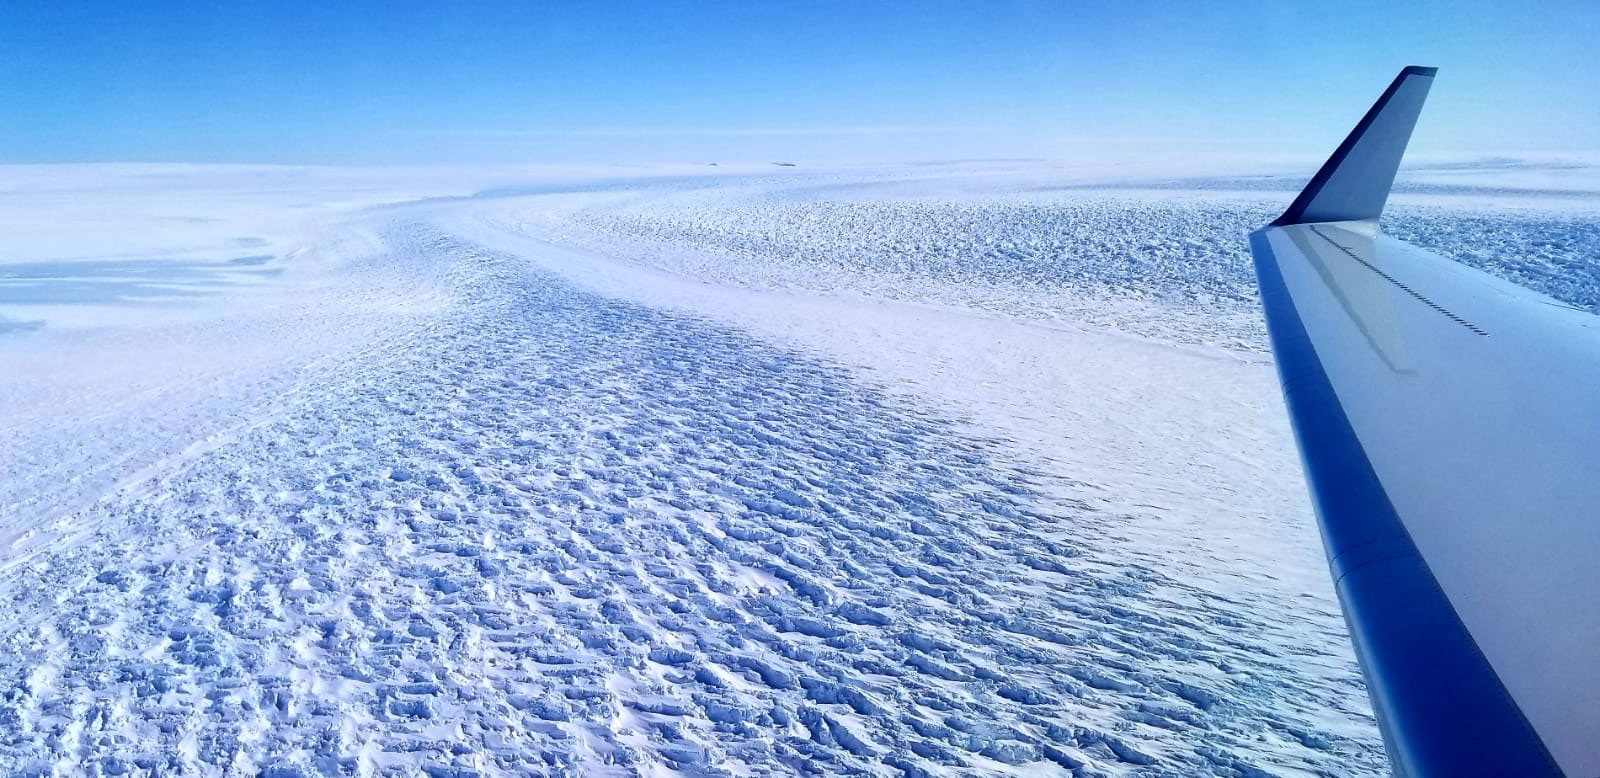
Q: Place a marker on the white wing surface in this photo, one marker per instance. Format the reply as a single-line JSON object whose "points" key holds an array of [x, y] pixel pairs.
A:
{"points": [[1450, 430]]}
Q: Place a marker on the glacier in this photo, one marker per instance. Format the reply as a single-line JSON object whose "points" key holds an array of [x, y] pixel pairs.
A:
{"points": [[950, 470]]}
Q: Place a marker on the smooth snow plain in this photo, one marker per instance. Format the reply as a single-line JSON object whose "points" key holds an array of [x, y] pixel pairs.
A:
{"points": [[926, 470]]}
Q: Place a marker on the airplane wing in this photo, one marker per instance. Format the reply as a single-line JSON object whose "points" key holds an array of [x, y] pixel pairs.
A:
{"points": [[1449, 427]]}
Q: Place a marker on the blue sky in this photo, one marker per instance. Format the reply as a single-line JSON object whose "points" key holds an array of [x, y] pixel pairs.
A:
{"points": [[402, 82]]}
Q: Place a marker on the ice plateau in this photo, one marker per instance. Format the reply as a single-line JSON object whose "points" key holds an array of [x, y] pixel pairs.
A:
{"points": [[910, 471]]}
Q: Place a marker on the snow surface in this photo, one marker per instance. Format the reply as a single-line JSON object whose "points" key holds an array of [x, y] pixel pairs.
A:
{"points": [[928, 470]]}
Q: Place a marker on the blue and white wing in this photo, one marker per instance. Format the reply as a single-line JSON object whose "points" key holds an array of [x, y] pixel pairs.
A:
{"points": [[1450, 433]]}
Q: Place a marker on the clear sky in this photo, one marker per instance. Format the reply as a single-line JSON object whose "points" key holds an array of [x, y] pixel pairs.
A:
{"points": [[403, 82]]}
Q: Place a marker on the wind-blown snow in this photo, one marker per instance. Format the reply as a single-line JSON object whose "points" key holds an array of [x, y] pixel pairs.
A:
{"points": [[928, 479]]}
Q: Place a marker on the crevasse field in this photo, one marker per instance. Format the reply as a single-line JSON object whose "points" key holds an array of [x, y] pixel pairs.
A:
{"points": [[929, 470]]}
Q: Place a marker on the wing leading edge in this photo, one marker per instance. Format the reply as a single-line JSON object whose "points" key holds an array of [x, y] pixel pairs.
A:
{"points": [[1446, 424]]}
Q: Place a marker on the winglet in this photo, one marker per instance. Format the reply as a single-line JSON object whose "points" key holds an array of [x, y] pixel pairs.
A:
{"points": [[1354, 183]]}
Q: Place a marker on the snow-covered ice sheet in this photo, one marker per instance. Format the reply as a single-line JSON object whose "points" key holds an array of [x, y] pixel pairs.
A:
{"points": [[1160, 259], [872, 472], [145, 309]]}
